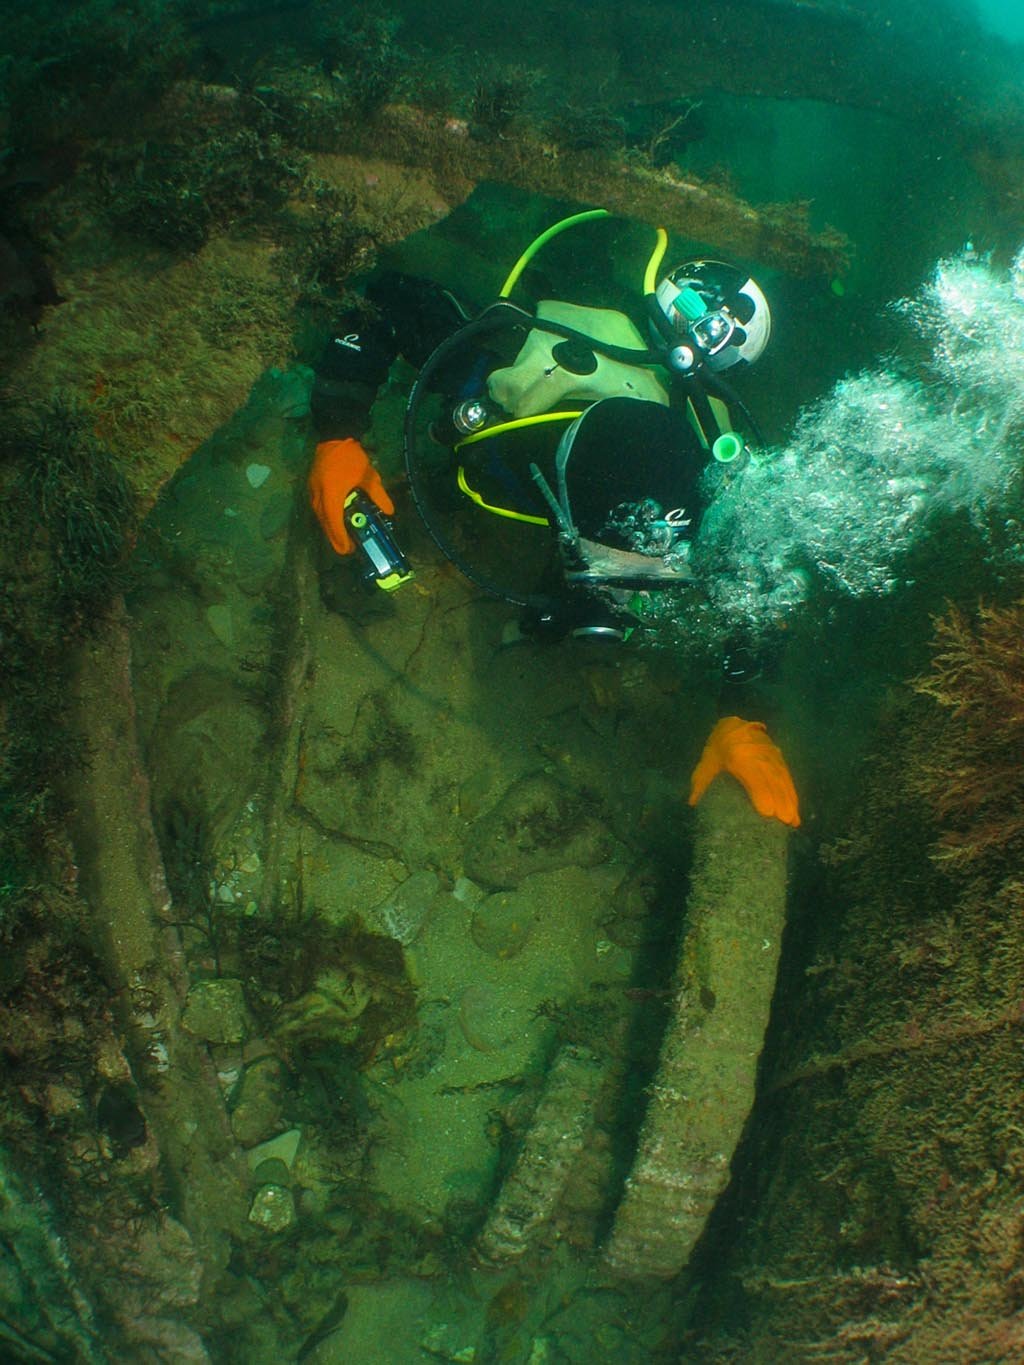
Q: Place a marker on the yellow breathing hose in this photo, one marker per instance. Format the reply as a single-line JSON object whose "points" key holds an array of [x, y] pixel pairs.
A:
{"points": [[654, 264], [474, 496], [514, 424], [650, 274], [538, 242]]}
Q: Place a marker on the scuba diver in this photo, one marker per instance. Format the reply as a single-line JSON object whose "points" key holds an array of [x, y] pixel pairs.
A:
{"points": [[555, 454]]}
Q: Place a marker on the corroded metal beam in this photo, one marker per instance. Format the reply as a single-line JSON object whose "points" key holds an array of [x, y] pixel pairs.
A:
{"points": [[777, 235], [704, 1087]]}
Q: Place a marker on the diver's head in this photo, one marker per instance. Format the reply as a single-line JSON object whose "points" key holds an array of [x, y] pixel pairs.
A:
{"points": [[717, 310]]}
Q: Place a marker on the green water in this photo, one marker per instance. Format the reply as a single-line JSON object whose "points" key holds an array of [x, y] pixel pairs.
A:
{"points": [[363, 997]]}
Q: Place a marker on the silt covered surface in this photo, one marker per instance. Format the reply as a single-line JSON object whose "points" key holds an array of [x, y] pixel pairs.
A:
{"points": [[406, 898]]}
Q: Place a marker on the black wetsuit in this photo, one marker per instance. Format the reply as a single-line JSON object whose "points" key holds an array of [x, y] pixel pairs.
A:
{"points": [[627, 450]]}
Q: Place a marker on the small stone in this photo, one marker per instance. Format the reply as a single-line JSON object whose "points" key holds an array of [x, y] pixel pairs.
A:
{"points": [[215, 1011], [61, 1101], [502, 922], [467, 892], [487, 1022], [402, 915], [227, 1079], [218, 618], [281, 1148], [271, 1173], [272, 1208], [538, 825], [250, 863], [443, 1340], [257, 474], [257, 1110]]}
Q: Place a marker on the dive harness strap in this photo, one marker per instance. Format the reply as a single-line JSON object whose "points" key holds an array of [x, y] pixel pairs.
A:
{"points": [[504, 313]]}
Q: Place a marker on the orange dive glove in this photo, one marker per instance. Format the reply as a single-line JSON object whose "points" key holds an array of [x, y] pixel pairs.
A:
{"points": [[742, 748], [338, 468]]}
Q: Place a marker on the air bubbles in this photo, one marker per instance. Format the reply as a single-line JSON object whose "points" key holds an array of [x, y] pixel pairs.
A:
{"points": [[872, 465]]}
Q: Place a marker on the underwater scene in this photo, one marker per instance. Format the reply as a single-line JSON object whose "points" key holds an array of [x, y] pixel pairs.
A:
{"points": [[512, 682]]}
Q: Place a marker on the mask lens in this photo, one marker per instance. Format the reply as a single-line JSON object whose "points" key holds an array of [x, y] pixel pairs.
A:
{"points": [[713, 332]]}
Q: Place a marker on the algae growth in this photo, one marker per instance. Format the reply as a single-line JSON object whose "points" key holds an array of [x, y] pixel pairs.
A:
{"points": [[368, 990]]}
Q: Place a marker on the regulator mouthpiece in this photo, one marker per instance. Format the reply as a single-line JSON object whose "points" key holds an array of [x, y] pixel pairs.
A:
{"points": [[728, 447]]}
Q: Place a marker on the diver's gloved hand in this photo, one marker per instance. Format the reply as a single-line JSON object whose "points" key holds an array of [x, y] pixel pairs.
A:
{"points": [[743, 749], [338, 468]]}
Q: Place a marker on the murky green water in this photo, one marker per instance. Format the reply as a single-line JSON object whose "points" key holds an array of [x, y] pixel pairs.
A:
{"points": [[370, 991]]}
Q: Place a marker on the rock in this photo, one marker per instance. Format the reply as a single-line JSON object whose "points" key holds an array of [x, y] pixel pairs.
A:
{"points": [[282, 1148], [273, 1208], [255, 566], [415, 1050], [502, 923], [257, 1113], [228, 1077], [488, 1023], [215, 1011], [163, 1339], [166, 1270], [62, 1101], [275, 515], [207, 743], [467, 892], [537, 826], [257, 474], [218, 618], [402, 915], [446, 1341], [550, 1150], [272, 1173]]}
